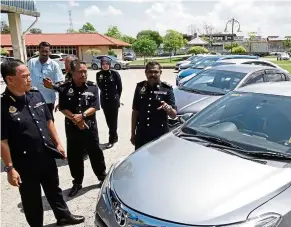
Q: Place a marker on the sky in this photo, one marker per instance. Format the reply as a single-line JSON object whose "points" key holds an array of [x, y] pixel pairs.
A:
{"points": [[264, 17]]}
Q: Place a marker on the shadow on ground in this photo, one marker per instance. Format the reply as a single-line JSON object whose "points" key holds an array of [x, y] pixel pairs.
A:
{"points": [[46, 205]]}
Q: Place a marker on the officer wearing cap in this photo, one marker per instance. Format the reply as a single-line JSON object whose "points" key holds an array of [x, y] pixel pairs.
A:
{"points": [[110, 85], [153, 103], [29, 146], [79, 101]]}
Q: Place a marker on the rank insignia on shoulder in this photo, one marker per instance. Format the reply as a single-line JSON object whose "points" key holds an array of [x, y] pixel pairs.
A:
{"points": [[101, 77], [167, 84], [33, 89], [12, 109], [91, 83], [71, 91]]}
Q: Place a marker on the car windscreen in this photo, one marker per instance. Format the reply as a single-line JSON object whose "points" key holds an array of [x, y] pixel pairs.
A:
{"points": [[213, 80], [204, 62], [253, 121]]}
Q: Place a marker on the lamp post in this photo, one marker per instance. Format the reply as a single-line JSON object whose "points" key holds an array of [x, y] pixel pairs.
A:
{"points": [[232, 22]]}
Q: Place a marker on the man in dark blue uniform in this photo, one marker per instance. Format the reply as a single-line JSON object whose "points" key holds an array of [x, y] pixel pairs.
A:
{"points": [[109, 83], [153, 102], [79, 101], [29, 146]]}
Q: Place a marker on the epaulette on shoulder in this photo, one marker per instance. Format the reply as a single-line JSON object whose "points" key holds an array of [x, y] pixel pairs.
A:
{"points": [[34, 89], [2, 95], [91, 83], [65, 84], [167, 84], [142, 83]]}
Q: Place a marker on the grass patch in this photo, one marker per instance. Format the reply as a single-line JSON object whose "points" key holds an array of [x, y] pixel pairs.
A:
{"points": [[164, 61], [283, 64]]}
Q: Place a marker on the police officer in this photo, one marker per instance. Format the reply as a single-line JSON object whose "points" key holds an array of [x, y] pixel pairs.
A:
{"points": [[79, 101], [109, 83], [29, 146], [153, 102]]}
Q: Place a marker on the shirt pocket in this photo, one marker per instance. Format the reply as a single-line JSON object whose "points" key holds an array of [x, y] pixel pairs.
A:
{"points": [[39, 112]]}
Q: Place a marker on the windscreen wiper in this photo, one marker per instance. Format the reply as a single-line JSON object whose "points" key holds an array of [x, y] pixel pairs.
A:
{"points": [[270, 155], [193, 133]]}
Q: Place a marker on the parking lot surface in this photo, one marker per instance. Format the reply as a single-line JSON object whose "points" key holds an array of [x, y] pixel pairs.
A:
{"points": [[85, 202]]}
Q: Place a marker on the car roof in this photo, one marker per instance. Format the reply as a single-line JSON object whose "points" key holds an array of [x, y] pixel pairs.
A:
{"points": [[241, 68], [271, 88], [241, 60]]}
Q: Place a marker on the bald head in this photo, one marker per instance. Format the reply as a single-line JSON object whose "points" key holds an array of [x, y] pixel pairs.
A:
{"points": [[68, 60]]}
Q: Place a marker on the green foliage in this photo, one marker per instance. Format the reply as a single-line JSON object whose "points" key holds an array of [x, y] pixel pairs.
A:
{"points": [[5, 28], [4, 51], [144, 47], [239, 50], [128, 39], [112, 53], [150, 34], [173, 40], [87, 28], [113, 32], [229, 46], [287, 43], [72, 31], [35, 31], [197, 50], [93, 51]]}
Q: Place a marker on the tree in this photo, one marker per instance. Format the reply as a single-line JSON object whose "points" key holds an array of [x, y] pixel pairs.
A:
{"points": [[144, 47], [252, 37], [197, 50], [153, 35], [287, 43], [112, 53], [87, 28], [173, 40], [4, 51], [239, 50], [229, 46], [128, 39], [4, 28], [35, 31], [70, 30], [113, 32]]}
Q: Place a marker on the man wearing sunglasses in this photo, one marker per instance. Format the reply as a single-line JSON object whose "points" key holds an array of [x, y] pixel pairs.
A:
{"points": [[153, 103]]}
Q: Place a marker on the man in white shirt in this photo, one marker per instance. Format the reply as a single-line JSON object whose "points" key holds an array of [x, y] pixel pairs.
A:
{"points": [[44, 67]]}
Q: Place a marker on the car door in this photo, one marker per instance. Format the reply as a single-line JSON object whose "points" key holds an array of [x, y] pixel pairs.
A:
{"points": [[275, 76], [254, 78]]}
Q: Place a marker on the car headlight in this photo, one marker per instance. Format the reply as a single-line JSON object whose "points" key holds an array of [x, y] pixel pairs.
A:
{"points": [[265, 220]]}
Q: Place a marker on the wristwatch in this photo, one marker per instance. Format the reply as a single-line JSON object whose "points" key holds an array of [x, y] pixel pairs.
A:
{"points": [[84, 115], [8, 168]]}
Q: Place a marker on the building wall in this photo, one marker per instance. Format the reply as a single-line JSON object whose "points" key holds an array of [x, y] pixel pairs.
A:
{"points": [[276, 46], [87, 57]]}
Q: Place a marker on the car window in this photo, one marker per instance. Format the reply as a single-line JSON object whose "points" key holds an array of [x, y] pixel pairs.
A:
{"points": [[275, 77], [212, 80], [222, 63], [256, 78], [259, 63], [53, 56]]}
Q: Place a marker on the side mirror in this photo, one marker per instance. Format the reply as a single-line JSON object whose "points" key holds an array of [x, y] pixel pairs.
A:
{"points": [[185, 117]]}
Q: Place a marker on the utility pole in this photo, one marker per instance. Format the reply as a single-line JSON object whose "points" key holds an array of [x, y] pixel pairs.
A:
{"points": [[232, 22], [70, 20]]}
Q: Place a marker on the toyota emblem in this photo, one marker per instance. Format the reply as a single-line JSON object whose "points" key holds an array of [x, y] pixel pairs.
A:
{"points": [[120, 216]]}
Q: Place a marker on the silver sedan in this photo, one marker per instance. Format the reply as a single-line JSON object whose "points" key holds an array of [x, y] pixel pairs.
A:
{"points": [[228, 166]]}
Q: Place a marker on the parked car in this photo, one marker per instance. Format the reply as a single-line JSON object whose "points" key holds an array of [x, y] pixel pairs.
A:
{"points": [[5, 58], [206, 61], [228, 166], [187, 61], [238, 61], [59, 58], [115, 63], [283, 56], [213, 83], [188, 64], [129, 56]]}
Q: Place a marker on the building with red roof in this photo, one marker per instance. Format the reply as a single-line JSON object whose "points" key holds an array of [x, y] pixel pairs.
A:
{"points": [[69, 43]]}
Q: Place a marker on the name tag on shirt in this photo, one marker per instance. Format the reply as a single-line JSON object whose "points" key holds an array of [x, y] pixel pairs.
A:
{"points": [[160, 92], [39, 104], [88, 94]]}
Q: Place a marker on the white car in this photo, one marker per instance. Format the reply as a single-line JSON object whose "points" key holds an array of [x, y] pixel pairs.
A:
{"points": [[283, 56], [59, 58]]}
